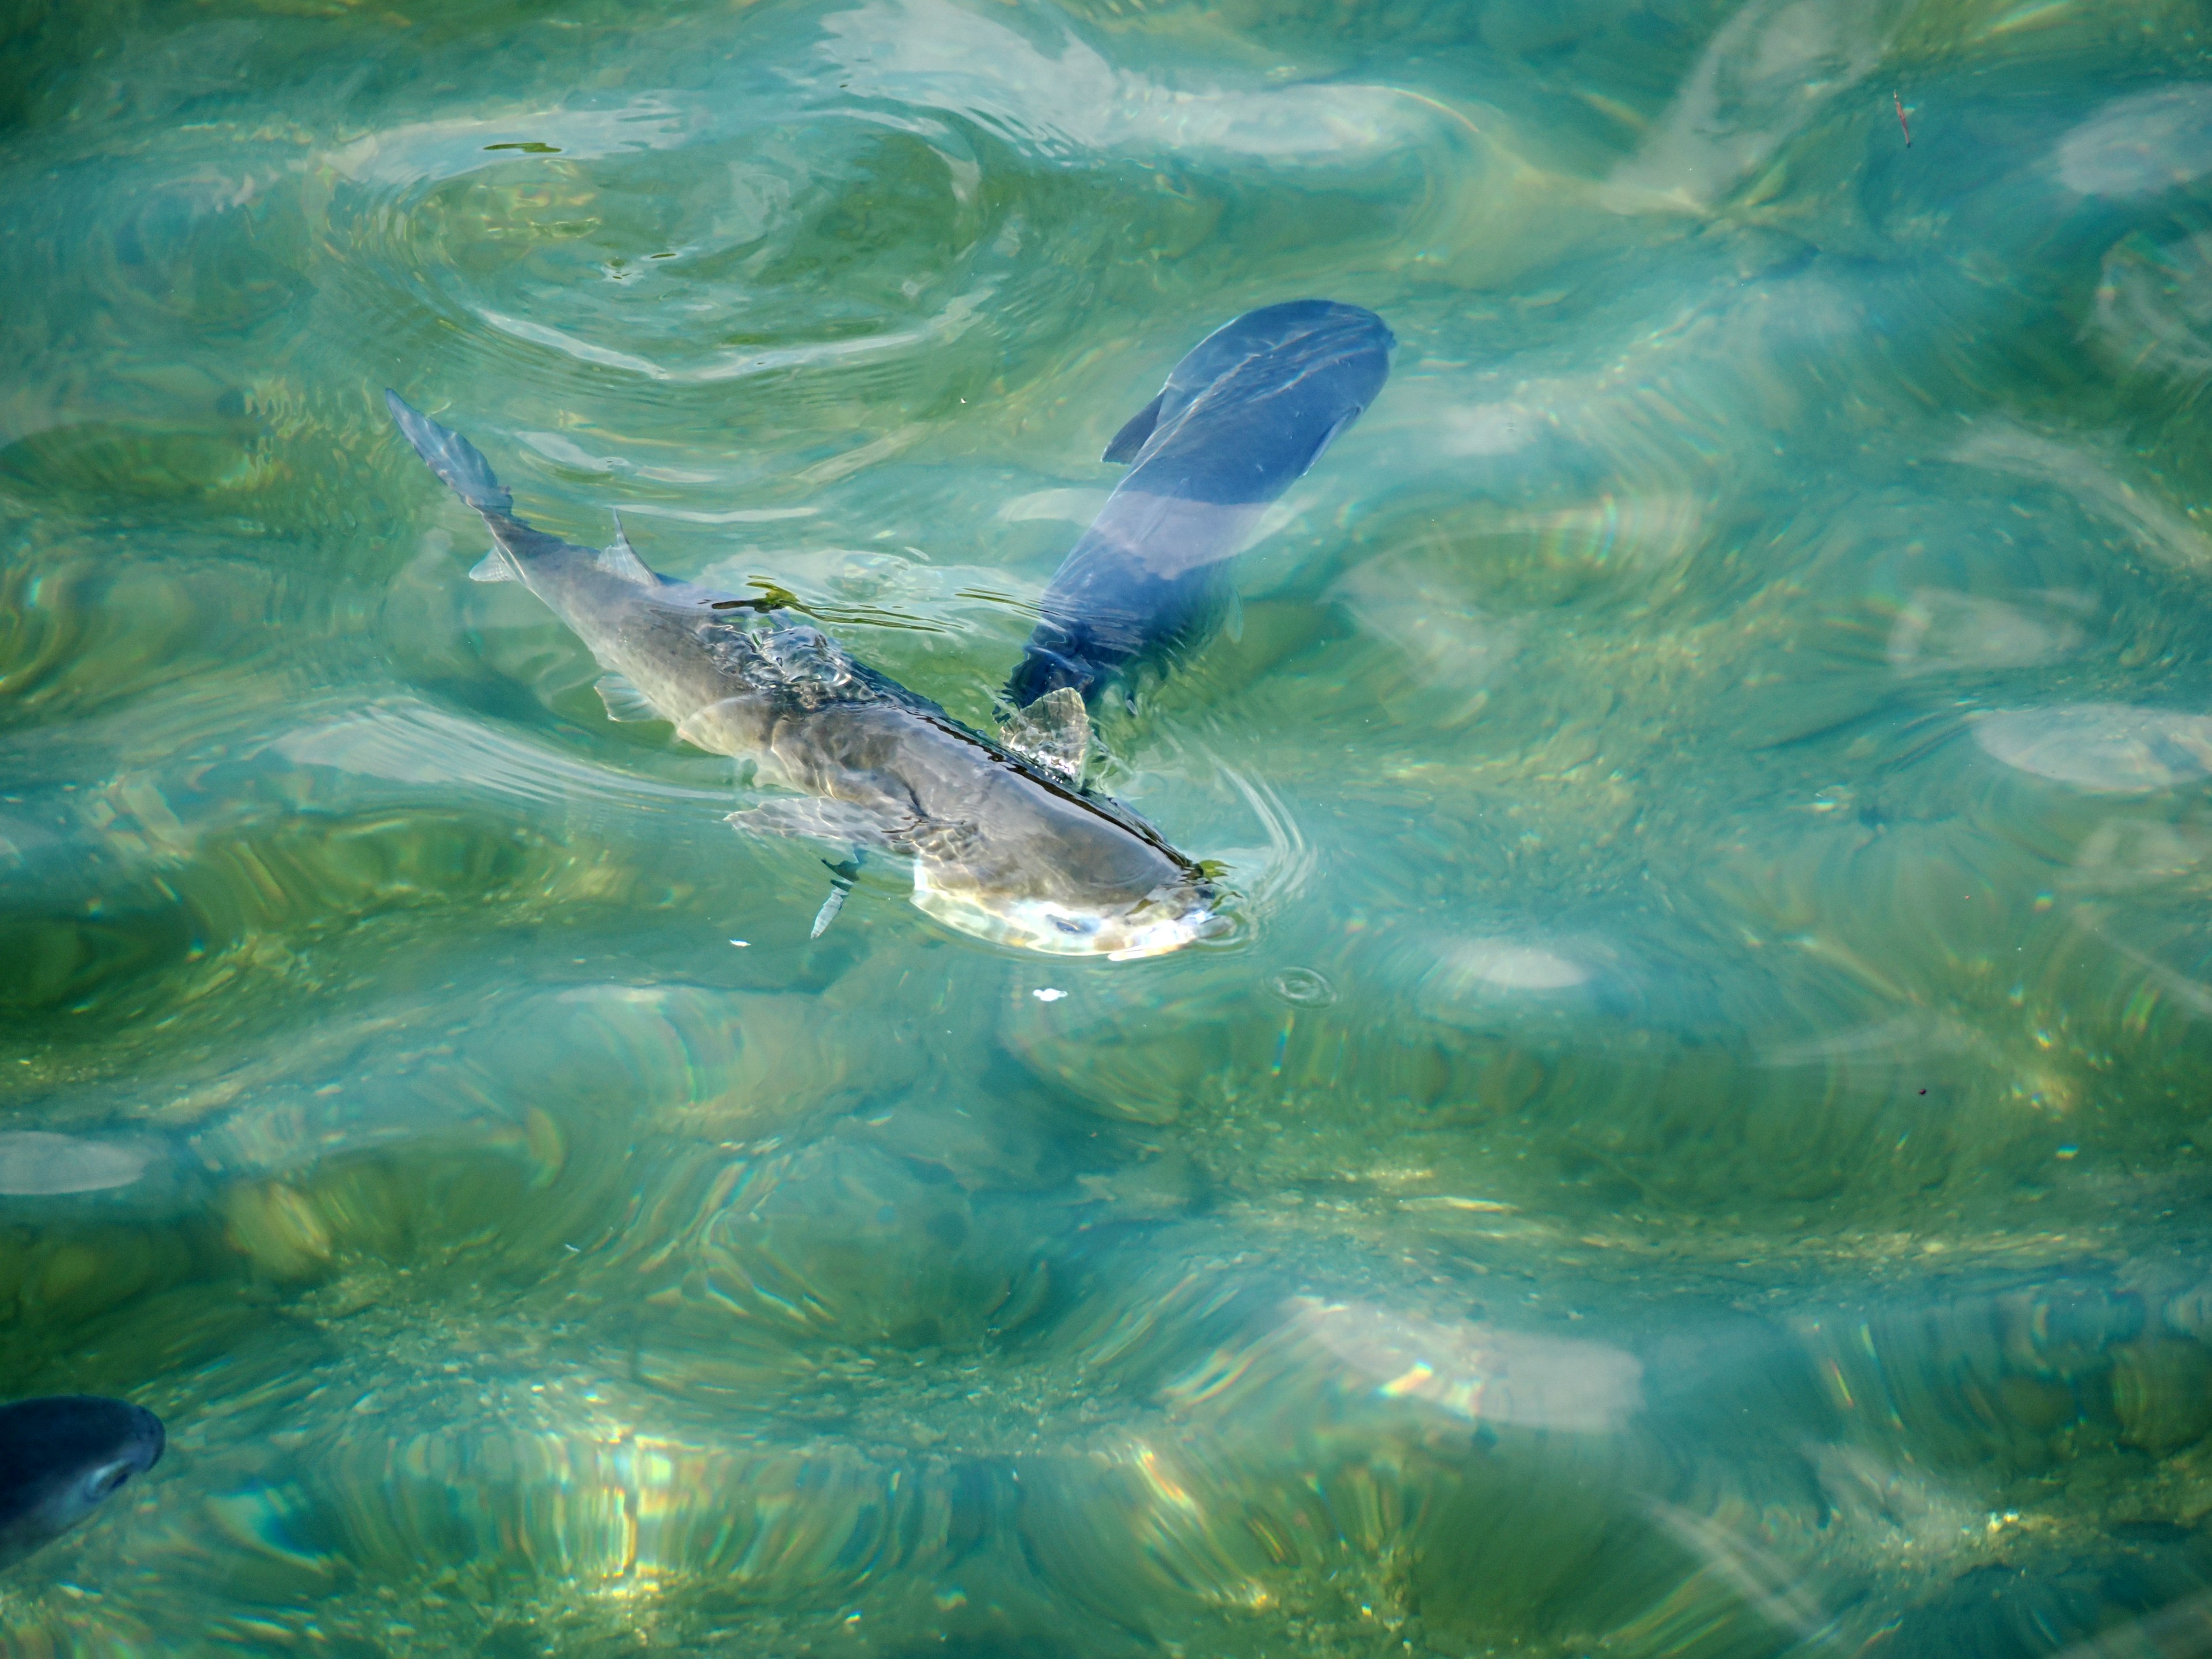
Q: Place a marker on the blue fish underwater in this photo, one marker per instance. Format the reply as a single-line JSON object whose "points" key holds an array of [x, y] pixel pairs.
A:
{"points": [[1241, 419], [61, 1458]]}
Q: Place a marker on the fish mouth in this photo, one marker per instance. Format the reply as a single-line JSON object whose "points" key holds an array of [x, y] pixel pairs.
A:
{"points": [[1158, 923]]}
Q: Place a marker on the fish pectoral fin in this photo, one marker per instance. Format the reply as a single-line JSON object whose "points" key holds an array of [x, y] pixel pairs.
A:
{"points": [[1054, 732], [620, 559], [842, 878], [493, 567], [812, 818], [624, 703], [1131, 437], [1327, 439]]}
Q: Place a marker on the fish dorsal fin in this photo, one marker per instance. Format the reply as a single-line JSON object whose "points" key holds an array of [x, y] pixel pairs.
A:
{"points": [[1131, 437], [619, 558], [1054, 732], [493, 567], [624, 703]]}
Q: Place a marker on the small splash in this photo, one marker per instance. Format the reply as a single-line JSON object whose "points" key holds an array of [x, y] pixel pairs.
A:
{"points": [[1302, 988]]}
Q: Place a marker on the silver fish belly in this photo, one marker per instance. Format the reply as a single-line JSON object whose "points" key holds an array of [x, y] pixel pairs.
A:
{"points": [[1002, 847]]}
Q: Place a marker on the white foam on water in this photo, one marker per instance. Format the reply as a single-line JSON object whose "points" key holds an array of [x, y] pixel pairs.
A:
{"points": [[406, 155], [1507, 965], [941, 56], [35, 1164], [2140, 145], [1480, 1372], [2103, 748], [406, 741]]}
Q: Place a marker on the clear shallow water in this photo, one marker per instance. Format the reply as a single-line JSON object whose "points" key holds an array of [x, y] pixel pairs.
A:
{"points": [[1699, 1150]]}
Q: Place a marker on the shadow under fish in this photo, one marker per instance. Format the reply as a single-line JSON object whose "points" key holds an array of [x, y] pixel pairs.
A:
{"points": [[1002, 847], [1243, 417]]}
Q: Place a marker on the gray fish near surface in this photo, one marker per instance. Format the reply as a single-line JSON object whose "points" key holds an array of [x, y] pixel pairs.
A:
{"points": [[1003, 847], [61, 1458]]}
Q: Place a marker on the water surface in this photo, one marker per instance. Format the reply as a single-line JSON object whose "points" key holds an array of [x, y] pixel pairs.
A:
{"points": [[1696, 1150]]}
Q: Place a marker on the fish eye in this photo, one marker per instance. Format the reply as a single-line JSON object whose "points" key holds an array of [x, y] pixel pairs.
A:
{"points": [[106, 1482]]}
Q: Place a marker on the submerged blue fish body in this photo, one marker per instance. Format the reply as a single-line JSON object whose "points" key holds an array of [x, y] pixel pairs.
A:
{"points": [[61, 1458], [1241, 417]]}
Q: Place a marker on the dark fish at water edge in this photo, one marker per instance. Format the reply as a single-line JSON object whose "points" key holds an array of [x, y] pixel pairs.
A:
{"points": [[61, 1458], [1243, 416]]}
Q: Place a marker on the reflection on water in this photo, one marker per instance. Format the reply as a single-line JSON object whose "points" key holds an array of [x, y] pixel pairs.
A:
{"points": [[1698, 1147]]}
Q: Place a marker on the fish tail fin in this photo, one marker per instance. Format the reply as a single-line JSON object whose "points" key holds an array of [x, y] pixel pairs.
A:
{"points": [[454, 459]]}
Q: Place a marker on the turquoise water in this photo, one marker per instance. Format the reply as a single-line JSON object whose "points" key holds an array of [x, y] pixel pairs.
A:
{"points": [[1700, 1146]]}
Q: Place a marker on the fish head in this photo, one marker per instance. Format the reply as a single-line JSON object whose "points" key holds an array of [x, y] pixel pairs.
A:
{"points": [[1059, 915], [1016, 852], [62, 1457]]}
